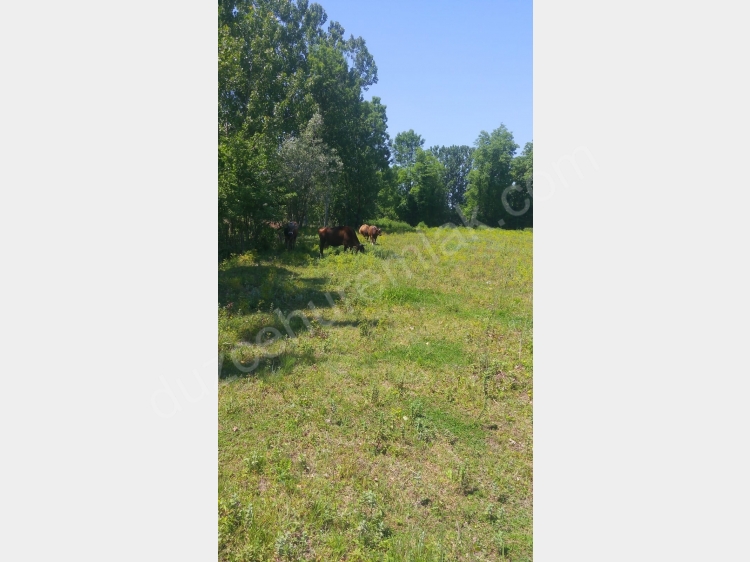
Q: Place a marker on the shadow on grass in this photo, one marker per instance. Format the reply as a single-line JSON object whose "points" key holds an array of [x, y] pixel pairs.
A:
{"points": [[267, 367], [249, 288], [254, 282], [370, 323]]}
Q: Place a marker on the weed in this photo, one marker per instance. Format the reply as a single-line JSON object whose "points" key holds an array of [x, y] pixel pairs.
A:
{"points": [[371, 529], [416, 409], [322, 512], [375, 395], [465, 482], [384, 435], [500, 545], [284, 473], [255, 462], [493, 513], [302, 463], [424, 429], [232, 517], [291, 545]]}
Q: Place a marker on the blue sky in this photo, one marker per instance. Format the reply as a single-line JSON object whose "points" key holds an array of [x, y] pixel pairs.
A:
{"points": [[448, 70]]}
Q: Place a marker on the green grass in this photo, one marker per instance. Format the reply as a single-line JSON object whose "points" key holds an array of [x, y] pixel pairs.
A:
{"points": [[393, 426]]}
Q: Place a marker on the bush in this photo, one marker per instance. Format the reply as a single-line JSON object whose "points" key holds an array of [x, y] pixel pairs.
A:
{"points": [[390, 226]]}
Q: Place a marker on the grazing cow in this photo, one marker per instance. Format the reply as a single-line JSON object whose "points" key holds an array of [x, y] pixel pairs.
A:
{"points": [[290, 233], [363, 230], [339, 236], [372, 233]]}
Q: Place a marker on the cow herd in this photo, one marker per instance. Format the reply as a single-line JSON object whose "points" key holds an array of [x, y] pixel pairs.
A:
{"points": [[329, 236]]}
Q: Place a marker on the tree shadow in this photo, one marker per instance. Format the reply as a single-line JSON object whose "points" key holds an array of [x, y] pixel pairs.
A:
{"points": [[246, 288], [261, 301], [342, 323], [267, 367]]}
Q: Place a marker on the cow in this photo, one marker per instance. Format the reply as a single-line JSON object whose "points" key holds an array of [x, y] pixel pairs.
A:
{"points": [[372, 233], [363, 230], [290, 234], [339, 236]]}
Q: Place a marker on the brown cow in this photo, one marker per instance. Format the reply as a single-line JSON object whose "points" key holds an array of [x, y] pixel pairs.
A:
{"points": [[290, 233], [339, 236], [364, 230], [372, 233]]}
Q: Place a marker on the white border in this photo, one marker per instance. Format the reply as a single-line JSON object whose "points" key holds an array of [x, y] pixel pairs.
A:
{"points": [[640, 281], [110, 244]]}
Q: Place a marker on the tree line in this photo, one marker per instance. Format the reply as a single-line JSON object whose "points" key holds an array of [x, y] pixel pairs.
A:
{"points": [[298, 141]]}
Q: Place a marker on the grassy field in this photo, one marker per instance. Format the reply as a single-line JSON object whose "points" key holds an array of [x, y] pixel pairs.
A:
{"points": [[391, 419]]}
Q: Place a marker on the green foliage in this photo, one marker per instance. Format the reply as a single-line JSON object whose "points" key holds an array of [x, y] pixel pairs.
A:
{"points": [[390, 226], [457, 163], [248, 194], [491, 192], [355, 128], [522, 171], [424, 198], [255, 462], [371, 527], [291, 545], [310, 167], [431, 187], [296, 139], [405, 146]]}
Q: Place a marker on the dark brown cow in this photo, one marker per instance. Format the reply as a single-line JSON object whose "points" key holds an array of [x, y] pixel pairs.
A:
{"points": [[372, 233], [339, 236], [290, 234], [364, 230]]}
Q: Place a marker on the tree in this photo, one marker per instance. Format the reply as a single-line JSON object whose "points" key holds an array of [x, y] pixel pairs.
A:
{"points": [[249, 193], [310, 167], [262, 53], [457, 161], [278, 67], [490, 176], [427, 199], [356, 128], [369, 161], [520, 199], [405, 147], [388, 197]]}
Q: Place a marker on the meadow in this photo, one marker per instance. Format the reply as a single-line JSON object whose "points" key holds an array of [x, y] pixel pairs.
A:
{"points": [[378, 406]]}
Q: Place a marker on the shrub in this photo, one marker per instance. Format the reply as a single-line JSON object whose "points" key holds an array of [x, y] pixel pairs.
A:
{"points": [[390, 226]]}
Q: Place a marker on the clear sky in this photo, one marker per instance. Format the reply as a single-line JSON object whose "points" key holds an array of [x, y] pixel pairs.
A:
{"points": [[448, 70]]}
